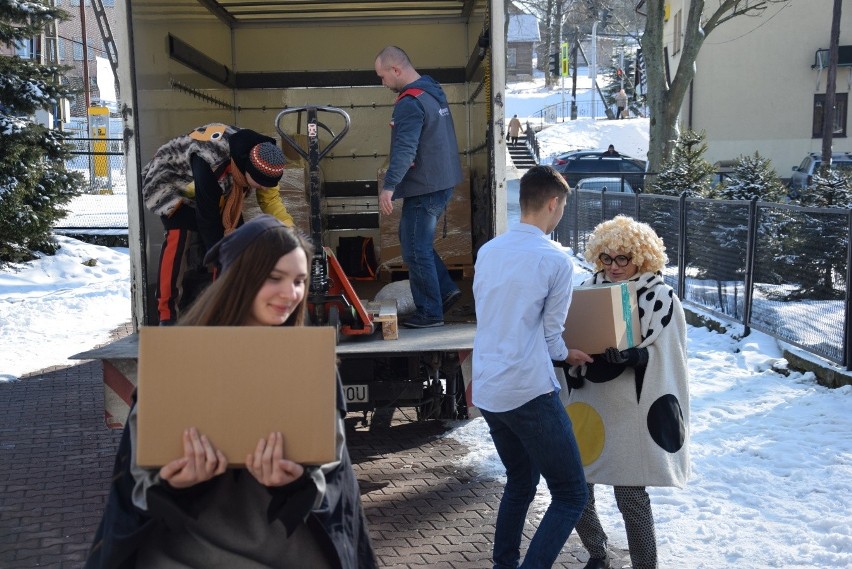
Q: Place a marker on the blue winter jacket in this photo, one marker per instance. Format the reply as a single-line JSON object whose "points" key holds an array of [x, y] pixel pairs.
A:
{"points": [[424, 155]]}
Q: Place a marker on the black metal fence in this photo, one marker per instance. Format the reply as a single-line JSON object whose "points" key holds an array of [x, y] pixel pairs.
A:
{"points": [[781, 269]]}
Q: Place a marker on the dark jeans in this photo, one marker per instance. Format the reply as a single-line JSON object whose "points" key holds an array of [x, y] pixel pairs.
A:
{"points": [[430, 281], [535, 440]]}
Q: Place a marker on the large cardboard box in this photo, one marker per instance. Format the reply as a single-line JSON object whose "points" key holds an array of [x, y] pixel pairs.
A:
{"points": [[601, 317], [236, 385], [453, 241]]}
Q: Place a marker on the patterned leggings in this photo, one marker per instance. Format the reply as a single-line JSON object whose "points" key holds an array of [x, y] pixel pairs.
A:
{"points": [[635, 507]]}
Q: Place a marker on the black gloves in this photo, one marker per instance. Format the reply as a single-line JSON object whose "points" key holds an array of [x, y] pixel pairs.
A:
{"points": [[635, 357], [574, 382]]}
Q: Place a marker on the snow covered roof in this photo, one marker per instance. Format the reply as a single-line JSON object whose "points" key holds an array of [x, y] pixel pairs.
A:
{"points": [[523, 27]]}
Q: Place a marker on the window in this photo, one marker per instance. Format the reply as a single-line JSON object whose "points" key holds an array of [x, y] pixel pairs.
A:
{"points": [[512, 57], [676, 40], [78, 50], [25, 49], [841, 108]]}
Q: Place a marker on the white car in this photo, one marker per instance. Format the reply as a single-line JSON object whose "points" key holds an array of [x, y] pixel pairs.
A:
{"points": [[611, 185]]}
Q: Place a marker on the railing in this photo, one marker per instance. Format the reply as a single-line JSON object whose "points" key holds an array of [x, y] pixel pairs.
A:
{"points": [[781, 269], [585, 108]]}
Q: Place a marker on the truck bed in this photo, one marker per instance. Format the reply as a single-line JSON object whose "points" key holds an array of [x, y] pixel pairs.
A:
{"points": [[448, 338]]}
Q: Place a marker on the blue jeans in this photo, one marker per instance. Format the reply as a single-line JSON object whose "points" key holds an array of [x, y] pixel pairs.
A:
{"points": [[535, 440], [430, 281]]}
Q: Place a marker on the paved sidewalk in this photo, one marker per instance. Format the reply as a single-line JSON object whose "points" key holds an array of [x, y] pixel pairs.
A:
{"points": [[56, 459]]}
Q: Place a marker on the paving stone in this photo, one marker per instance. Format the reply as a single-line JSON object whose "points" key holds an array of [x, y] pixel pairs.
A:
{"points": [[56, 459]]}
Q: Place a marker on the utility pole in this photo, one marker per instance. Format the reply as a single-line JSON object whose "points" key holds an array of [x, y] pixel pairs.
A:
{"points": [[574, 78], [593, 67], [830, 87], [85, 55]]}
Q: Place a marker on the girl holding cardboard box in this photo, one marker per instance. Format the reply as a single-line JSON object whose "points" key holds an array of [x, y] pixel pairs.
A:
{"points": [[197, 512], [630, 408]]}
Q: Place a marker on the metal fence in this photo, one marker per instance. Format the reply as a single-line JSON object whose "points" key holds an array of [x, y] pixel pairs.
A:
{"points": [[99, 215], [781, 269], [101, 161], [584, 107]]}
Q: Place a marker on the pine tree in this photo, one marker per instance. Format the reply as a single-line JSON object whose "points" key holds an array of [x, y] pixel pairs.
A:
{"points": [[818, 241], [686, 171], [753, 176], [34, 184]]}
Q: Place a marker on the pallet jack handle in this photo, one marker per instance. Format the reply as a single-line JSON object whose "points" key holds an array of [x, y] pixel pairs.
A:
{"points": [[312, 113]]}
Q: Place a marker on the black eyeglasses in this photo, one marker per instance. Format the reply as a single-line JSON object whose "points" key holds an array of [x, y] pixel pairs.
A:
{"points": [[620, 260]]}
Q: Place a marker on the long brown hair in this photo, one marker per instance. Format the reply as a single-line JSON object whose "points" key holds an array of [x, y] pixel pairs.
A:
{"points": [[228, 301]]}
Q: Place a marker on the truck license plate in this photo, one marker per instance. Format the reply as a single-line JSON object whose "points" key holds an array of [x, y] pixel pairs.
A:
{"points": [[356, 393]]}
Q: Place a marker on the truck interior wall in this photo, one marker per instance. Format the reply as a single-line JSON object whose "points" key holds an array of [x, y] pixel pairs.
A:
{"points": [[165, 110]]}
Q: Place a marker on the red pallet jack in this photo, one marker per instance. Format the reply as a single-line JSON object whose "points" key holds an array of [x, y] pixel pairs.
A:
{"points": [[331, 299]]}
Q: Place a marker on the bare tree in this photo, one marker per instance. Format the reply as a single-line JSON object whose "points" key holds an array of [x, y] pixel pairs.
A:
{"points": [[664, 98]]}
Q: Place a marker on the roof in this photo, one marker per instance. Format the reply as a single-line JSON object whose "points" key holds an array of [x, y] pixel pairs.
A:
{"points": [[523, 28], [236, 13]]}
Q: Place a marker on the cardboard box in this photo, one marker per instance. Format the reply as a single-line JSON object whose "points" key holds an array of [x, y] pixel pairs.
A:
{"points": [[603, 316], [236, 385], [455, 247]]}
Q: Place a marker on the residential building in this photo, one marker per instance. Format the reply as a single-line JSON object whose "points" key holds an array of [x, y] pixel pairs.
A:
{"points": [[760, 82], [522, 38]]}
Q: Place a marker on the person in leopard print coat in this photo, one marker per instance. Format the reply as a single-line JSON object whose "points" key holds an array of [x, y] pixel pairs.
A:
{"points": [[196, 183]]}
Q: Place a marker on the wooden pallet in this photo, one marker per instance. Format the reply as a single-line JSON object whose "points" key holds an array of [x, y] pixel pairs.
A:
{"points": [[384, 311], [390, 273]]}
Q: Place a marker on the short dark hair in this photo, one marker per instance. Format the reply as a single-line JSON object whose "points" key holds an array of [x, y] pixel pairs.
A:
{"points": [[540, 184], [393, 55]]}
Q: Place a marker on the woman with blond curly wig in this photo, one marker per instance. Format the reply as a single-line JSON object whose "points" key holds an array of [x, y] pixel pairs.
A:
{"points": [[630, 408]]}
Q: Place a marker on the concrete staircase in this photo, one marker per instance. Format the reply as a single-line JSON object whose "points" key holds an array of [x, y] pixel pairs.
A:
{"points": [[521, 156]]}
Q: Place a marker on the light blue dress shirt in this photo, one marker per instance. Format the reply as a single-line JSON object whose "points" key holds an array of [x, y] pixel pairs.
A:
{"points": [[522, 288]]}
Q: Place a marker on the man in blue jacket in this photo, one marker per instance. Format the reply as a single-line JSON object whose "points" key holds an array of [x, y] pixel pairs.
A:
{"points": [[424, 168]]}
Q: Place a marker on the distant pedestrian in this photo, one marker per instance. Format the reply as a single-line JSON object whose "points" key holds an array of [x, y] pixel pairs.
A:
{"points": [[621, 104], [514, 129], [610, 151]]}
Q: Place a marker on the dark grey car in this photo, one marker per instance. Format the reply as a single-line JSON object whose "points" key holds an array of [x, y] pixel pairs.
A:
{"points": [[579, 165]]}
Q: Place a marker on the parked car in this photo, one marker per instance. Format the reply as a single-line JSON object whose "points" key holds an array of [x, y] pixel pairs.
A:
{"points": [[803, 174], [563, 158], [611, 185], [724, 169], [615, 199], [589, 164]]}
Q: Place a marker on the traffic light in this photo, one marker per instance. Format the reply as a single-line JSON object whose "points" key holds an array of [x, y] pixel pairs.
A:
{"points": [[605, 15], [553, 64]]}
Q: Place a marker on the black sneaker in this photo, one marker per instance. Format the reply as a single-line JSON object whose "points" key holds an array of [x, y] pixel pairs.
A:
{"points": [[421, 322], [451, 299]]}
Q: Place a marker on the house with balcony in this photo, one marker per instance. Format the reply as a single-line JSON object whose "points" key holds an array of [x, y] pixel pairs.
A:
{"points": [[760, 82]]}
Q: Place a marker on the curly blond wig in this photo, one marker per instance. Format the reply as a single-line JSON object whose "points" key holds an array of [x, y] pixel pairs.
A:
{"points": [[625, 235]]}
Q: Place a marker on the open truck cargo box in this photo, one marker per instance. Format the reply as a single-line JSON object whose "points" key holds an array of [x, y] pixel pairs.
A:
{"points": [[193, 62]]}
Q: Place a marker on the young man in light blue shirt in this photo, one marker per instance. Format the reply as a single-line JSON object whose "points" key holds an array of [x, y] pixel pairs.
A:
{"points": [[522, 289]]}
